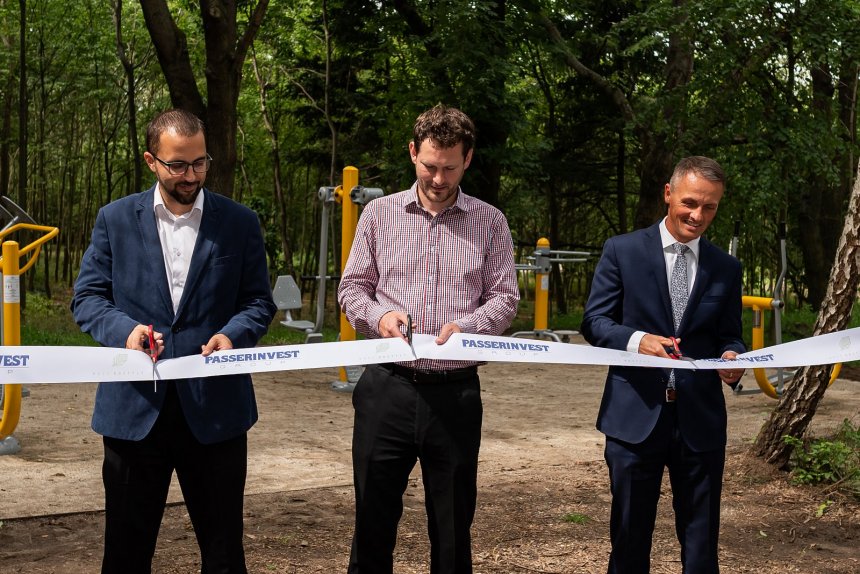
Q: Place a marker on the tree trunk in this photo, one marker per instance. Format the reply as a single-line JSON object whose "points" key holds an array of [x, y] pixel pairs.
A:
{"points": [[800, 400], [225, 55], [280, 198], [22, 106], [128, 69]]}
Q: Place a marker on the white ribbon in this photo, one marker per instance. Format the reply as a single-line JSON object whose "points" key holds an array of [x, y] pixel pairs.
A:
{"points": [[31, 364]]}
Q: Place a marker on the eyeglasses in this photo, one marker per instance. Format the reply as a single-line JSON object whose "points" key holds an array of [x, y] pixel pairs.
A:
{"points": [[180, 167]]}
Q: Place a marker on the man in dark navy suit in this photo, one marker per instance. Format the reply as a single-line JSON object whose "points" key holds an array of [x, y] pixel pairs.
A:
{"points": [[667, 288], [190, 263]]}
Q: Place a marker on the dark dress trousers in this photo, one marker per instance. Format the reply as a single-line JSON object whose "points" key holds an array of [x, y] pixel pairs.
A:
{"points": [[644, 433]]}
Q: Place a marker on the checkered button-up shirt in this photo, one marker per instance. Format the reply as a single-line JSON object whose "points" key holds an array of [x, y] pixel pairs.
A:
{"points": [[455, 267]]}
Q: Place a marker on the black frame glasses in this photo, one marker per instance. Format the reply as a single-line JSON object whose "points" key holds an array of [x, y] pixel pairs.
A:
{"points": [[181, 167]]}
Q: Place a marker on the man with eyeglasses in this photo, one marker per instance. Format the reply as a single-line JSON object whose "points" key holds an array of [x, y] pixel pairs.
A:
{"points": [[174, 271]]}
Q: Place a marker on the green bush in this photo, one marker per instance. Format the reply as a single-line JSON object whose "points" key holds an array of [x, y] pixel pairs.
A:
{"points": [[828, 460]]}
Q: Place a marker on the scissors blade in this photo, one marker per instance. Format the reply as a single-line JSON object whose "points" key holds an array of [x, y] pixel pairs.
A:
{"points": [[409, 334]]}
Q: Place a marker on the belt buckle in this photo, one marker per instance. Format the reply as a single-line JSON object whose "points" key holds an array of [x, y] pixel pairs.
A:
{"points": [[671, 395]]}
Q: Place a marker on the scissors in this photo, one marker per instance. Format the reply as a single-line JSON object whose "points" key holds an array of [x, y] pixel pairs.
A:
{"points": [[675, 351], [153, 352], [409, 334]]}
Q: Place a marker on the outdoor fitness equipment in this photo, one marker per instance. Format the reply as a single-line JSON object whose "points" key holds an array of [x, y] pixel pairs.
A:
{"points": [[12, 270], [542, 261], [287, 295], [776, 305]]}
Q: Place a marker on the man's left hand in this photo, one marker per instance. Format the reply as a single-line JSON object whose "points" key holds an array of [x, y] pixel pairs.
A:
{"points": [[730, 376], [218, 342], [447, 330]]}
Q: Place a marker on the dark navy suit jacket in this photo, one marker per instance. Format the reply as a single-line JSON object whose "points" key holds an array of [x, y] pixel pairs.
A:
{"points": [[123, 283], [630, 292]]}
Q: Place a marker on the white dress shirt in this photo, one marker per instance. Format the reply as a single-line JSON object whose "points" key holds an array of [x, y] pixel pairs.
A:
{"points": [[178, 235]]}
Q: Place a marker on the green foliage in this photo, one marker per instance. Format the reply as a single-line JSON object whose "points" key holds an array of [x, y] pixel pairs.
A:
{"points": [[49, 322], [576, 518], [828, 460]]}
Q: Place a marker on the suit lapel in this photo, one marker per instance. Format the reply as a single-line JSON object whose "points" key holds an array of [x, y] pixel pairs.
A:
{"points": [[703, 278], [202, 249], [154, 256], [657, 264]]}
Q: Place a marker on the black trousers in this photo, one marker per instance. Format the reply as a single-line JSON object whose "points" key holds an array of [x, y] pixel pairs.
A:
{"points": [[136, 477], [399, 422], [636, 473]]}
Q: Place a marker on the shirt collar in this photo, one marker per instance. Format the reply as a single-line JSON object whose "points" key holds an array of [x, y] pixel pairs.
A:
{"points": [[411, 198], [196, 209], [667, 240]]}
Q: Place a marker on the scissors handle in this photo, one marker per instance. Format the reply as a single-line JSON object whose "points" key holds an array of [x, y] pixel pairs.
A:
{"points": [[674, 351], [409, 328], [153, 348]]}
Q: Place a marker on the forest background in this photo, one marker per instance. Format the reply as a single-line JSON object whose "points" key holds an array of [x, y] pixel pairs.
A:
{"points": [[582, 108]]}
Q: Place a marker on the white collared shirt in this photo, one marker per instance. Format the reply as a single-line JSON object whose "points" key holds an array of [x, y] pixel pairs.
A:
{"points": [[669, 257], [178, 235]]}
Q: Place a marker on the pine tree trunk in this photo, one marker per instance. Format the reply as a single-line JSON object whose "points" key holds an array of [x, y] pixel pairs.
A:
{"points": [[800, 400]]}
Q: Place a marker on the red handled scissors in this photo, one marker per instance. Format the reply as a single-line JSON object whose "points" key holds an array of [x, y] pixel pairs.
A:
{"points": [[674, 351], [153, 352]]}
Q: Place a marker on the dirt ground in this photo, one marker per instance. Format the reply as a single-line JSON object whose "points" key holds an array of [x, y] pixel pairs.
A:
{"points": [[541, 461]]}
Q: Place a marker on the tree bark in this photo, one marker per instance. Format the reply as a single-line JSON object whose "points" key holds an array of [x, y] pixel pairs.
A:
{"points": [[798, 404], [225, 55], [23, 106], [128, 68]]}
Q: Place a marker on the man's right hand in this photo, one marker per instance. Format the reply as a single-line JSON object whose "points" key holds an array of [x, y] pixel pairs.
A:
{"points": [[389, 325], [138, 340], [656, 345]]}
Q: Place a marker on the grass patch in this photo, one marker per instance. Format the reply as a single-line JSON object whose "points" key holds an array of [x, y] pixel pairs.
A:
{"points": [[576, 518]]}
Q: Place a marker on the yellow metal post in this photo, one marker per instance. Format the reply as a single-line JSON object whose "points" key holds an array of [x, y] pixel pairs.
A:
{"points": [[11, 332], [542, 291], [349, 221], [12, 270]]}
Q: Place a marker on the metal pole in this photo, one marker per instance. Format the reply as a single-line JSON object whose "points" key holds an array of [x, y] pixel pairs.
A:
{"points": [[11, 333], [349, 222], [542, 289]]}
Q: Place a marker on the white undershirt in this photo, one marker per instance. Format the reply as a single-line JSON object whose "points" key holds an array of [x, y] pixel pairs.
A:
{"points": [[178, 235]]}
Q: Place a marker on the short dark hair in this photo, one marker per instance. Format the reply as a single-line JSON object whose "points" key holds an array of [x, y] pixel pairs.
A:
{"points": [[445, 127], [700, 165], [184, 122]]}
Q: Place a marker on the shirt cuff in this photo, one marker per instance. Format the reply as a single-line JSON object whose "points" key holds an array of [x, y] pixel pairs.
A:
{"points": [[374, 316], [635, 339]]}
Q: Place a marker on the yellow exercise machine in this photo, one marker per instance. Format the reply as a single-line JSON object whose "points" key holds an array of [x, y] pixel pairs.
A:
{"points": [[12, 271], [771, 386], [357, 195], [541, 264]]}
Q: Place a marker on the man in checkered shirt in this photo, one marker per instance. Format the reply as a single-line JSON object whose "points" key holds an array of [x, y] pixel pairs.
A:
{"points": [[446, 259]]}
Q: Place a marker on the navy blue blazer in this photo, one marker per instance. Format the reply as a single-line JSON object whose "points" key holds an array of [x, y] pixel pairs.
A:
{"points": [[630, 292], [123, 283]]}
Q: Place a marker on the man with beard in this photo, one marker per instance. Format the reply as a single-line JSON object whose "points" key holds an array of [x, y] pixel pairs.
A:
{"points": [[174, 271], [446, 259]]}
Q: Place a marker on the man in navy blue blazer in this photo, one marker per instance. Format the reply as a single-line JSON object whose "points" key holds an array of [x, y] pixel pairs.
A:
{"points": [[191, 264], [653, 418]]}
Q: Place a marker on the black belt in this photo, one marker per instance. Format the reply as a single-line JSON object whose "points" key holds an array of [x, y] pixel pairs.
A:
{"points": [[431, 377]]}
